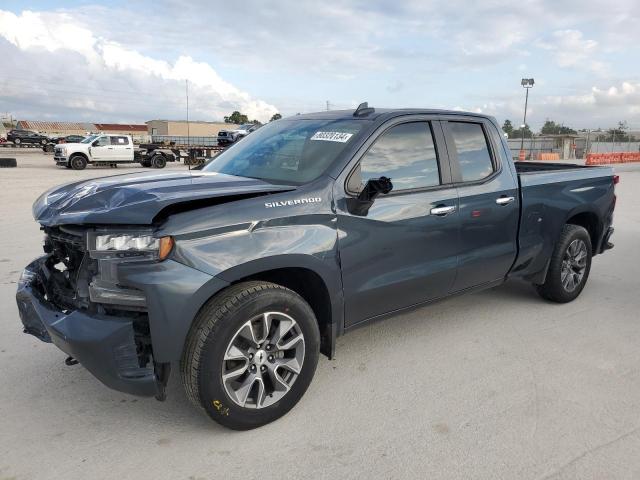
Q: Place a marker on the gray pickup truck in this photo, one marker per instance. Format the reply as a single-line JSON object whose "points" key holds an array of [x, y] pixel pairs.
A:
{"points": [[245, 270]]}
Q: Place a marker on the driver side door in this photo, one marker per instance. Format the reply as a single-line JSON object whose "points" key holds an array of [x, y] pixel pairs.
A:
{"points": [[403, 250]]}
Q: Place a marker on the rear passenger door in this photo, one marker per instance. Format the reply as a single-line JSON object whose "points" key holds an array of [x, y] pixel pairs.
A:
{"points": [[489, 203], [403, 250]]}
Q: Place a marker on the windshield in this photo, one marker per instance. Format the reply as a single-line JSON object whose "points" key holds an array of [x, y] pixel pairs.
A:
{"points": [[287, 151], [89, 139]]}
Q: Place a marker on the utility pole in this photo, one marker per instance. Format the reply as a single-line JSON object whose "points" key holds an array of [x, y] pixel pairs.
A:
{"points": [[328, 106], [526, 83], [188, 132], [187, 95]]}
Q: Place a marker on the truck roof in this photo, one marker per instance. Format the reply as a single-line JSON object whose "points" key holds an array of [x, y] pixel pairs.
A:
{"points": [[382, 112]]}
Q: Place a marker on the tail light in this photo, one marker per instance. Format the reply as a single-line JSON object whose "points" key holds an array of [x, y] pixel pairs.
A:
{"points": [[616, 179]]}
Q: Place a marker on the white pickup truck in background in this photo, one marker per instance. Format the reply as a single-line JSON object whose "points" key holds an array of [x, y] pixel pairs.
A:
{"points": [[98, 149]]}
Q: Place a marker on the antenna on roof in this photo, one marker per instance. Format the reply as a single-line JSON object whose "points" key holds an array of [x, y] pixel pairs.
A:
{"points": [[363, 110]]}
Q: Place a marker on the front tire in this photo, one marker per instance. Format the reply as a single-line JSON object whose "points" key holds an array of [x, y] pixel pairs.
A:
{"points": [[251, 354], [78, 162], [569, 267]]}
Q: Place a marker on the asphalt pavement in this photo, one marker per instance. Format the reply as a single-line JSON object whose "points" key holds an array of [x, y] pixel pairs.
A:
{"points": [[496, 385]]}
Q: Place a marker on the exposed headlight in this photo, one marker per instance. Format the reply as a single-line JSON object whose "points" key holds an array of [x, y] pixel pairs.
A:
{"points": [[134, 243], [127, 242]]}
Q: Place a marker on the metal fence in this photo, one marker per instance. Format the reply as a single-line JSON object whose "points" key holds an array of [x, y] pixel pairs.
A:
{"points": [[604, 147], [568, 148], [533, 147]]}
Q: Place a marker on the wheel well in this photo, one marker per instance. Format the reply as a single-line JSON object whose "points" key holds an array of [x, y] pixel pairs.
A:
{"points": [[79, 154], [310, 286], [589, 221]]}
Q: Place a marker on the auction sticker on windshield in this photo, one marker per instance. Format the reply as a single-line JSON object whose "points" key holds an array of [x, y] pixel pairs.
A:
{"points": [[332, 136]]}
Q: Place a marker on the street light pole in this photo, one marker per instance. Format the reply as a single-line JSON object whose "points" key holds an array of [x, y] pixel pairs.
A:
{"points": [[527, 83]]}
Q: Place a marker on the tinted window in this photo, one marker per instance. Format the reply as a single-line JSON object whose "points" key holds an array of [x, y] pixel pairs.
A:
{"points": [[473, 151], [119, 141], [406, 154]]}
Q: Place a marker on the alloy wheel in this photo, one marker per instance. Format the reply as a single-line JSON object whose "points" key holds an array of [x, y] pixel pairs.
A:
{"points": [[263, 360], [574, 265]]}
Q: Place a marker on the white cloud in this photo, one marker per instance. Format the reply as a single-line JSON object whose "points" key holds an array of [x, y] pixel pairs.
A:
{"points": [[297, 54], [62, 65], [571, 49], [597, 107]]}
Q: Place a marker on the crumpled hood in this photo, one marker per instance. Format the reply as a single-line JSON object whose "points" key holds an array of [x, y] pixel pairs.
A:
{"points": [[135, 199]]}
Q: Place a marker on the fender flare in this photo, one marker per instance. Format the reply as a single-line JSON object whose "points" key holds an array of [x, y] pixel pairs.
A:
{"points": [[327, 269]]}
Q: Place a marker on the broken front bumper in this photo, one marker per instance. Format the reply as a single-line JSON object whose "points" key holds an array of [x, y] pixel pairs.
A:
{"points": [[103, 344]]}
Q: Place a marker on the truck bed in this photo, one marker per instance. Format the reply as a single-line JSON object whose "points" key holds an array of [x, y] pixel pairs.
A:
{"points": [[537, 167], [551, 194]]}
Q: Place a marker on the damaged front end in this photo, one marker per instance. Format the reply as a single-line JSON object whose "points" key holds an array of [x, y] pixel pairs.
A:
{"points": [[72, 297]]}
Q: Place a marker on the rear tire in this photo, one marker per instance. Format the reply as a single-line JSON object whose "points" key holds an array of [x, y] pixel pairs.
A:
{"points": [[218, 344], [158, 161], [78, 162], [569, 267], [48, 148]]}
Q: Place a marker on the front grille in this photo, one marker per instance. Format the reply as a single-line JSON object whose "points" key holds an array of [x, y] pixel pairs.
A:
{"points": [[68, 268], [73, 239]]}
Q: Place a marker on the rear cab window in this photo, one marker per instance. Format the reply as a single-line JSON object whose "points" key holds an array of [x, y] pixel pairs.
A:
{"points": [[473, 151], [119, 141], [405, 153]]}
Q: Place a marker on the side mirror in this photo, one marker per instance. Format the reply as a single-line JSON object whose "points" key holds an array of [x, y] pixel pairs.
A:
{"points": [[95, 144], [374, 187]]}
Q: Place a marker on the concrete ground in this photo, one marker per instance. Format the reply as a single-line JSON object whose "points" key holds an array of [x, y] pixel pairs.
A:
{"points": [[496, 385]]}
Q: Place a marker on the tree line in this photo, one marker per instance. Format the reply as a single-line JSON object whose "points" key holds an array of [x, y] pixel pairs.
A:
{"points": [[238, 118], [618, 134]]}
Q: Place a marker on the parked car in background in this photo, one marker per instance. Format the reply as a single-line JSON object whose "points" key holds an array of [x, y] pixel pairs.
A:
{"points": [[20, 137], [95, 149], [231, 136], [49, 147]]}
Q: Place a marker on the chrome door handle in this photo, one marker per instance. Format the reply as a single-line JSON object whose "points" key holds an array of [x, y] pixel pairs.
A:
{"points": [[504, 200], [443, 210]]}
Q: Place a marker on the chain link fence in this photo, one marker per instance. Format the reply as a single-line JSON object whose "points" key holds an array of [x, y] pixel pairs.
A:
{"points": [[568, 147]]}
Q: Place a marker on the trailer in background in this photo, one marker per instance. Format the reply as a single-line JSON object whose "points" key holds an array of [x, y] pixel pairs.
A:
{"points": [[192, 151]]}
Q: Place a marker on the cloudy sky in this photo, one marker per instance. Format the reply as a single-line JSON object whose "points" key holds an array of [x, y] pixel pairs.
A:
{"points": [[128, 61]]}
